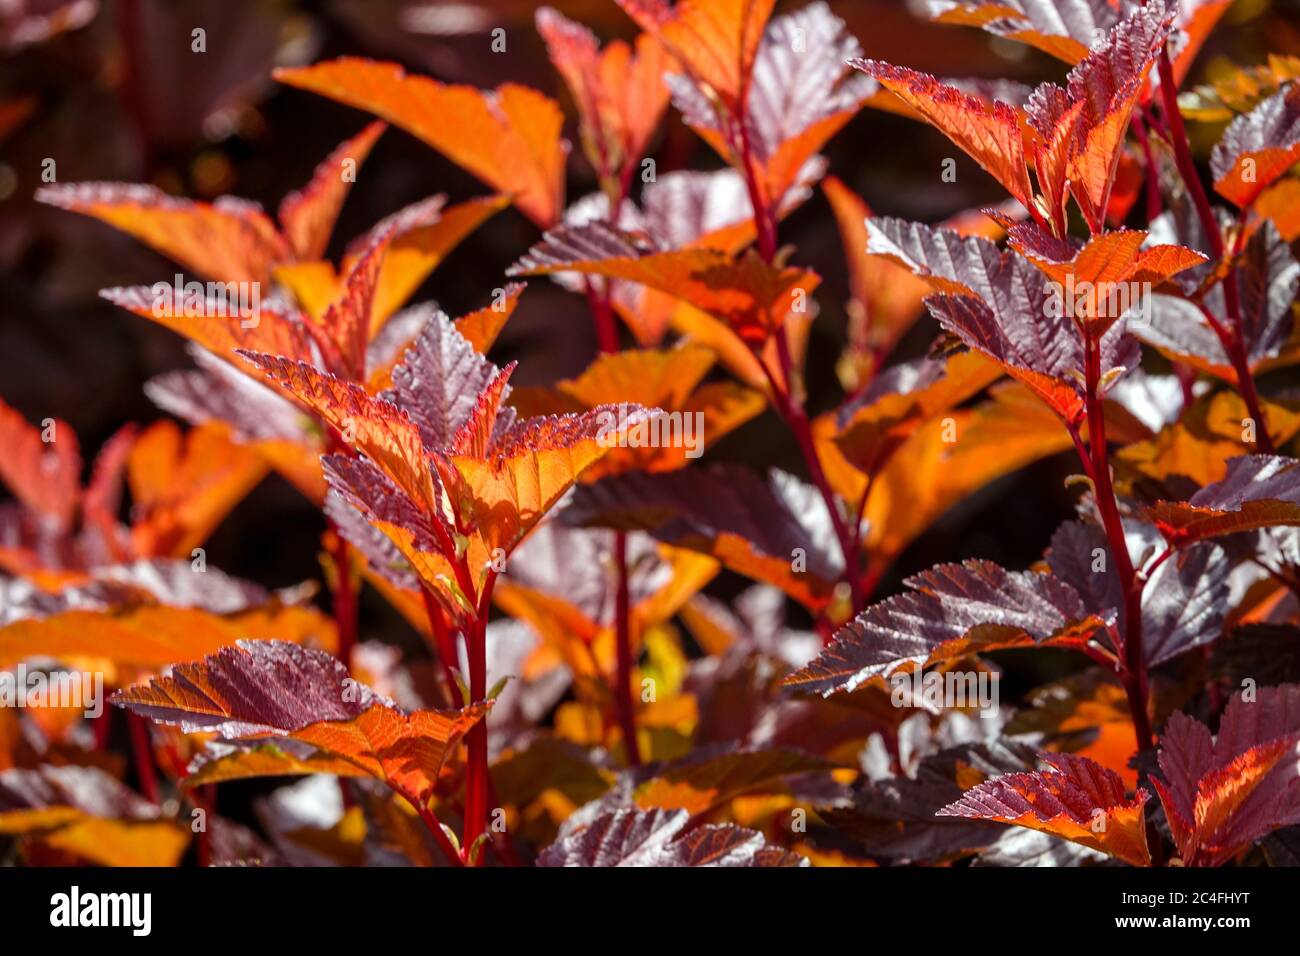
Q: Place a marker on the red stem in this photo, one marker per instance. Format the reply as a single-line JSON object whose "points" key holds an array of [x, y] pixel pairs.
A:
{"points": [[1235, 350], [606, 326], [502, 840], [435, 827], [797, 419], [1234, 344], [476, 783], [142, 753], [345, 599], [1183, 155], [1134, 672], [787, 405], [205, 798], [607, 337], [104, 728], [1154, 205], [623, 650], [446, 646]]}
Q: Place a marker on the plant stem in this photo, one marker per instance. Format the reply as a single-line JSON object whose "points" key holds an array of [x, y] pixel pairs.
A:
{"points": [[1134, 673], [1154, 205], [476, 781], [1233, 348], [603, 316], [504, 847], [624, 706], [1233, 341], [797, 419], [1183, 155], [142, 753], [623, 651], [788, 406], [1132, 669], [764, 223], [205, 798], [435, 827], [445, 644], [345, 599]]}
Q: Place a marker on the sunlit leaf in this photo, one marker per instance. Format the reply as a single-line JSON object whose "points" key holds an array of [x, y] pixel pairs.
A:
{"points": [[1076, 799], [1258, 491], [41, 466], [694, 416], [508, 137], [273, 689], [1258, 147], [85, 812], [952, 611], [752, 297], [231, 240], [307, 215], [715, 43]]}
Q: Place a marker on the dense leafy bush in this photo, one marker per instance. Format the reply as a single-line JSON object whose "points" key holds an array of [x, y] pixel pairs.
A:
{"points": [[591, 688]]}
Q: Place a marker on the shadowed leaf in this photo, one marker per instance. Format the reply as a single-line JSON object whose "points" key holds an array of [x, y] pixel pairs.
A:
{"points": [[659, 838]]}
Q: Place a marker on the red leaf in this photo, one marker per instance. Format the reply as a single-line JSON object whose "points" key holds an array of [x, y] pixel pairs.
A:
{"points": [[44, 475], [1067, 28], [988, 132], [1259, 491], [439, 381], [1097, 104], [755, 525], [1002, 306], [1077, 800], [1222, 795], [269, 688]]}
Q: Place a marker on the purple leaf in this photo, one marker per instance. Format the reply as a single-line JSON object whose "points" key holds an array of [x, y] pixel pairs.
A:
{"points": [[946, 603], [660, 838]]}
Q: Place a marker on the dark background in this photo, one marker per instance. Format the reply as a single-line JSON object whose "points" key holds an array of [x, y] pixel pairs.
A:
{"points": [[124, 98]]}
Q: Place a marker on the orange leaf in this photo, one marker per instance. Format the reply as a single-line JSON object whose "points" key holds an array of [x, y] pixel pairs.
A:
{"points": [[1076, 800], [218, 327], [414, 253], [229, 241], [272, 689], [664, 379], [44, 475], [543, 457], [620, 94], [151, 636], [714, 40], [508, 137], [184, 484], [386, 435], [988, 132], [307, 216], [752, 297]]}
